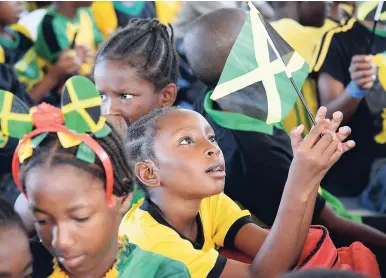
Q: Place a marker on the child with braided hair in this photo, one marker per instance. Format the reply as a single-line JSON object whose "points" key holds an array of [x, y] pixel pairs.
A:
{"points": [[187, 217], [15, 255], [136, 72], [79, 183]]}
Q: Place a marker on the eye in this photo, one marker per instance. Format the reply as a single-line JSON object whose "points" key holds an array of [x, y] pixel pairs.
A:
{"points": [[186, 141], [125, 96], [81, 219], [41, 221], [103, 97], [212, 139]]}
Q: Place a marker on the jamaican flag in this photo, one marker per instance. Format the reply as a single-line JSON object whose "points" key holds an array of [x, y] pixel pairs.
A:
{"points": [[14, 116], [81, 105], [254, 81]]}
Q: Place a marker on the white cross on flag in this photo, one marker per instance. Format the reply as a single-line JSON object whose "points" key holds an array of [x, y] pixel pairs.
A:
{"points": [[254, 81]]}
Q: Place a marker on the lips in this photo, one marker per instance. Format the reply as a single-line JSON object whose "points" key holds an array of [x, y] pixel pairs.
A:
{"points": [[216, 170], [71, 262]]}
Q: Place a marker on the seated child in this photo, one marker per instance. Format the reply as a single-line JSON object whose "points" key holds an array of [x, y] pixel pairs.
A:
{"points": [[257, 163], [66, 43], [15, 255], [15, 39], [185, 215], [133, 76], [78, 192]]}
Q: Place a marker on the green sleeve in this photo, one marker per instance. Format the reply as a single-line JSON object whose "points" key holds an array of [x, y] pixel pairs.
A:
{"points": [[172, 269], [52, 38]]}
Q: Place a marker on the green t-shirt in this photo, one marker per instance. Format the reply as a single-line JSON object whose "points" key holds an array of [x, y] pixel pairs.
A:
{"points": [[56, 33], [132, 262]]}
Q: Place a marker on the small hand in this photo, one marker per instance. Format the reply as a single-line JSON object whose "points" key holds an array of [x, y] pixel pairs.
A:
{"points": [[340, 136]]}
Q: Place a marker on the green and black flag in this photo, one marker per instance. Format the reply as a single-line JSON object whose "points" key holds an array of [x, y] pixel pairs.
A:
{"points": [[255, 81]]}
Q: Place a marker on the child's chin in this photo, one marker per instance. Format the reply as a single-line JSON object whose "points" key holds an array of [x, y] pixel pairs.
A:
{"points": [[216, 188]]}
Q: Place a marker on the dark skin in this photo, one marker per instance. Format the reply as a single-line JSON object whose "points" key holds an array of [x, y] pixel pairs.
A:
{"points": [[15, 254], [307, 13], [69, 206], [331, 96], [125, 98], [125, 94], [332, 92], [9, 14], [185, 147]]}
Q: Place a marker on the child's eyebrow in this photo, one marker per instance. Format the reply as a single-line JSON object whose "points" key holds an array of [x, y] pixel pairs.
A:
{"points": [[77, 207], [183, 128], [35, 209]]}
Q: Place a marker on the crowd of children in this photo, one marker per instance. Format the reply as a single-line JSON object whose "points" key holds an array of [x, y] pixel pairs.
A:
{"points": [[116, 181]]}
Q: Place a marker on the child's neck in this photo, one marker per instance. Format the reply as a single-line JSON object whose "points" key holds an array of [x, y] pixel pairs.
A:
{"points": [[66, 8], [105, 264], [179, 213]]}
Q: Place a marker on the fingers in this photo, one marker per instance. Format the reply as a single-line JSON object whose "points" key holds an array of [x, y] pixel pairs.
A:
{"points": [[323, 143], [337, 119], [296, 137], [361, 58], [348, 146], [315, 133], [363, 77], [343, 133], [321, 114], [332, 147]]}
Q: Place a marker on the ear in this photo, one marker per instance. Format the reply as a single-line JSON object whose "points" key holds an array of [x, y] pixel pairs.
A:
{"points": [[125, 202], [168, 95], [147, 173]]}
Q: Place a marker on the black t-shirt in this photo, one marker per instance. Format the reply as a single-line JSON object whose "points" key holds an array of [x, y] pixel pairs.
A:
{"points": [[351, 173], [42, 260], [257, 166]]}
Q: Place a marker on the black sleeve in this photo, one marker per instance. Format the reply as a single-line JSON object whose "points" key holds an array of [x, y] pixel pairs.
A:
{"points": [[218, 267], [229, 241], [42, 260], [337, 61]]}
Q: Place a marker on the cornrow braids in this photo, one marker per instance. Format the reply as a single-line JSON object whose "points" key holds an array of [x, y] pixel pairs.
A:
{"points": [[51, 153], [145, 45], [9, 217], [141, 136]]}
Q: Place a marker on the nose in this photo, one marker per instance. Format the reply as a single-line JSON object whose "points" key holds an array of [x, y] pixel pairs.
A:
{"points": [[110, 106], [213, 150], [62, 238]]}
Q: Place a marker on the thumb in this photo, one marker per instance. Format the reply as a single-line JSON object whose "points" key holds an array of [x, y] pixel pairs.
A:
{"points": [[296, 137]]}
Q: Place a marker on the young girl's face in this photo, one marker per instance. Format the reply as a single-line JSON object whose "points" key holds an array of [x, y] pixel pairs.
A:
{"points": [[124, 93], [189, 161], [72, 217], [15, 255]]}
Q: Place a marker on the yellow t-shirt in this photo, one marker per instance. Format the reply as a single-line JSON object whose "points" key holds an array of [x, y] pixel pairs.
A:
{"points": [[219, 220]]}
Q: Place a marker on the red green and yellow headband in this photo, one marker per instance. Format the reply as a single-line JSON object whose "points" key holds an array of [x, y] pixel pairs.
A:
{"points": [[79, 115]]}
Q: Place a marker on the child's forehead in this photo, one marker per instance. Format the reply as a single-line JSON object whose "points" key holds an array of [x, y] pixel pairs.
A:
{"points": [[182, 119]]}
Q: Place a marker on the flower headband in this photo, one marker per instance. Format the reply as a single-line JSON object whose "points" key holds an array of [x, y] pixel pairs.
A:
{"points": [[79, 115]]}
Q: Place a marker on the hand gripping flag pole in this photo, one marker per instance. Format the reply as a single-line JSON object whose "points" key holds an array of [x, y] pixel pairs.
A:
{"points": [[289, 75]]}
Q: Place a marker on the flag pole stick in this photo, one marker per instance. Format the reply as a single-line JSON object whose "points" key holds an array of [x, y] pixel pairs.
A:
{"points": [[376, 19], [303, 100], [289, 75]]}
